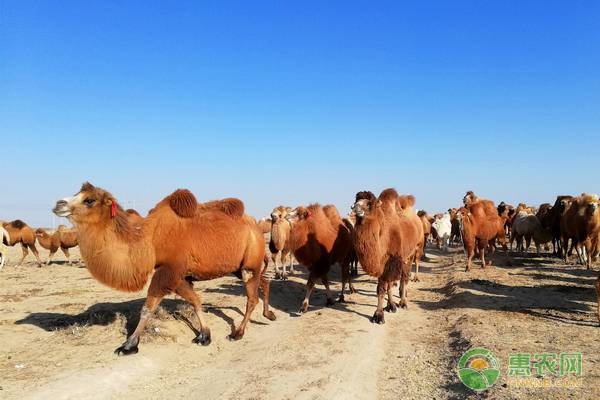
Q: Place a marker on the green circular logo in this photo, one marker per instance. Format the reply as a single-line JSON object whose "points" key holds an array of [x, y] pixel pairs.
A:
{"points": [[478, 369]]}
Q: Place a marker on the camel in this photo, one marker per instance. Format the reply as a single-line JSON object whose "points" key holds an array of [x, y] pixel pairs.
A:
{"points": [[406, 203], [507, 210], [180, 240], [557, 211], [350, 221], [480, 224], [443, 227], [426, 224], [527, 226], [19, 232], [62, 238], [386, 240], [317, 243], [581, 224], [264, 224], [455, 233], [279, 242]]}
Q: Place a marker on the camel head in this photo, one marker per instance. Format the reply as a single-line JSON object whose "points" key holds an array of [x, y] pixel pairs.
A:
{"points": [[298, 214], [39, 232], [89, 206], [469, 198], [463, 214], [365, 206], [280, 213], [589, 204]]}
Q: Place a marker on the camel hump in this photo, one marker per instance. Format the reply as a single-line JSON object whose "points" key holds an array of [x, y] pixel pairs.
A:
{"points": [[364, 195], [183, 203], [230, 206], [407, 201], [18, 224], [388, 194]]}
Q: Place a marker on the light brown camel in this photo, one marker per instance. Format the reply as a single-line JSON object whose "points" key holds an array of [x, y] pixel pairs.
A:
{"points": [[19, 232], [63, 238], [479, 228], [386, 241], [279, 243], [180, 240], [318, 244]]}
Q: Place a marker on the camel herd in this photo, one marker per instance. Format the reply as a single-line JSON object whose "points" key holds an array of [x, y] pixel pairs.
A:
{"points": [[18, 232], [181, 241]]}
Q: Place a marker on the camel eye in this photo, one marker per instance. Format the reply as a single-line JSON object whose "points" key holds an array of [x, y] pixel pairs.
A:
{"points": [[89, 201]]}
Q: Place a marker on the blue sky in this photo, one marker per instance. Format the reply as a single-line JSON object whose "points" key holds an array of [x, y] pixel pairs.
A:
{"points": [[293, 103]]}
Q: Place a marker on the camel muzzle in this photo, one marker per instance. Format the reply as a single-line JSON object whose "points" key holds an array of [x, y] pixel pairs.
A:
{"points": [[61, 208]]}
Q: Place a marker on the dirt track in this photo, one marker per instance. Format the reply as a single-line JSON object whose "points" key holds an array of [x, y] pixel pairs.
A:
{"points": [[59, 327]]}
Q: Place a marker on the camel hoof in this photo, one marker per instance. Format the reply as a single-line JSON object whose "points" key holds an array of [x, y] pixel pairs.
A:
{"points": [[129, 347], [330, 302], [303, 309], [391, 308], [352, 290], [416, 279], [341, 299], [403, 304], [202, 339], [378, 318], [270, 315], [235, 336]]}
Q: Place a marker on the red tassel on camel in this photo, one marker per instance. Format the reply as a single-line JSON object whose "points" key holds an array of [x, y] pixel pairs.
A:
{"points": [[113, 209]]}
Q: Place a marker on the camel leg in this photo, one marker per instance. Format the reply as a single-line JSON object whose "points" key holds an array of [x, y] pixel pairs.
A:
{"points": [[265, 287], [284, 256], [2, 260], [159, 288], [291, 259], [417, 261], [52, 253], [564, 248], [391, 304], [470, 253], [310, 284], [277, 270], [25, 252], [481, 246], [66, 253], [346, 278], [527, 243], [185, 290], [252, 285], [378, 317], [35, 253], [325, 281]]}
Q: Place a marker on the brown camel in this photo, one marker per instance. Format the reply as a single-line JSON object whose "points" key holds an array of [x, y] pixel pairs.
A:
{"points": [[19, 232], [180, 240], [480, 226], [386, 242], [279, 243], [264, 224], [406, 203], [426, 225], [581, 224], [62, 238], [318, 244]]}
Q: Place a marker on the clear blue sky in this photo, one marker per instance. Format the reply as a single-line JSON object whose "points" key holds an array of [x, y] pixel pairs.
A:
{"points": [[296, 103]]}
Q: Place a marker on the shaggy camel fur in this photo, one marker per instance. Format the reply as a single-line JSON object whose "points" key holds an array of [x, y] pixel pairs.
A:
{"points": [[62, 238], [180, 240], [19, 232], [279, 242], [386, 240], [581, 224], [318, 240], [479, 228]]}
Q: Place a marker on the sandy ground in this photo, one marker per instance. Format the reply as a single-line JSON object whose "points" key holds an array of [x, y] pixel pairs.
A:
{"points": [[59, 327]]}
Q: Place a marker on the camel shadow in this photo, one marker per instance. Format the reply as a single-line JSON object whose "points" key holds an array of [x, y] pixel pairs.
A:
{"points": [[287, 295], [107, 313], [543, 301]]}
